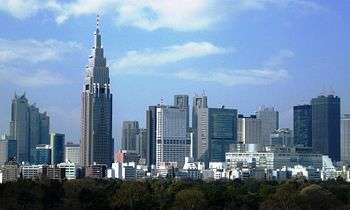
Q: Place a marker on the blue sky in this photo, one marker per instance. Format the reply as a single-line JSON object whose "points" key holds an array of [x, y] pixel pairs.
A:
{"points": [[242, 53]]}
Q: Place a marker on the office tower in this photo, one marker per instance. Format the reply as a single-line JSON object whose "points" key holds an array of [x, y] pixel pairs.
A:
{"points": [[57, 144], [19, 126], [96, 143], [282, 137], [43, 154], [269, 122], [326, 126], [141, 145], [217, 131], [151, 126], [181, 101], [173, 144], [345, 139], [198, 103], [249, 130], [72, 153], [8, 149], [302, 117], [130, 131], [28, 127]]}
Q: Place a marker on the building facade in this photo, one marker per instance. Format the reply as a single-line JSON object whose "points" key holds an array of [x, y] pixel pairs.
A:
{"points": [[326, 126], [72, 153], [302, 121], [282, 137], [249, 130], [28, 127], [345, 139], [199, 102], [151, 126], [96, 143], [130, 131], [57, 142], [269, 122], [8, 149], [217, 130], [173, 144], [181, 101]]}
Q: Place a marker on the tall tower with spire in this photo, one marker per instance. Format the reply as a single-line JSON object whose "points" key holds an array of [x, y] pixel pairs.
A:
{"points": [[96, 141]]}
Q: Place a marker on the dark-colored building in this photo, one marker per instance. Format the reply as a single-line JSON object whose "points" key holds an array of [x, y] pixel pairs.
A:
{"points": [[302, 116], [222, 132], [43, 154], [326, 126], [181, 101], [57, 142], [151, 124], [130, 131]]}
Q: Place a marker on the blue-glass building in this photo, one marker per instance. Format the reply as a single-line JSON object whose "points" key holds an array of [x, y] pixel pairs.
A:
{"points": [[302, 117], [43, 154], [57, 142]]}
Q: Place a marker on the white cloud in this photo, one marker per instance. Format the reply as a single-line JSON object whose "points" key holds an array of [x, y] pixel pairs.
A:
{"points": [[29, 78], [34, 51], [180, 15], [270, 72], [235, 77], [134, 60]]}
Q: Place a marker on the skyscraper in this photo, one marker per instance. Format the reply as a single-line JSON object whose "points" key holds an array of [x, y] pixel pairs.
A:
{"points": [[57, 141], [198, 103], [28, 127], [217, 131], [96, 122], [173, 144], [326, 126], [130, 131], [249, 130], [151, 126], [345, 139], [19, 126], [141, 145], [181, 101], [269, 122], [302, 117]]}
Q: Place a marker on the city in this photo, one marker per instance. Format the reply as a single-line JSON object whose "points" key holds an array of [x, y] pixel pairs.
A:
{"points": [[185, 142]]}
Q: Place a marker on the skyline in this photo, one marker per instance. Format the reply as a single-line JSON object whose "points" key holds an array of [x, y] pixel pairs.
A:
{"points": [[279, 69]]}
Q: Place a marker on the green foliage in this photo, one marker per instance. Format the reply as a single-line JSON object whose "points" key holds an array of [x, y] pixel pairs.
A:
{"points": [[174, 194]]}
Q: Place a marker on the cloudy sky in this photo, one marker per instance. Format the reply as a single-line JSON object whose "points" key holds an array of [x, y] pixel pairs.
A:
{"points": [[241, 53]]}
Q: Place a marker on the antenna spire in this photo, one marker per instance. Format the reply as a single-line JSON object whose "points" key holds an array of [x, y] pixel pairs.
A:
{"points": [[98, 22]]}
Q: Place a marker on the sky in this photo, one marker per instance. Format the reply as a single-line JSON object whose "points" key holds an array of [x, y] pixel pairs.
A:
{"points": [[241, 53]]}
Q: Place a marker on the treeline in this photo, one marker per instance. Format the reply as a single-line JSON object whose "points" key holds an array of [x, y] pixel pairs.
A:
{"points": [[174, 194]]}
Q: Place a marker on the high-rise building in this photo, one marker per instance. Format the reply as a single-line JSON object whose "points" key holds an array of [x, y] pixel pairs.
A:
{"points": [[181, 101], [151, 126], [198, 103], [282, 137], [28, 127], [130, 131], [142, 143], [302, 117], [249, 130], [326, 126], [72, 153], [57, 142], [43, 154], [345, 139], [217, 131], [173, 144], [269, 122], [96, 143], [8, 149]]}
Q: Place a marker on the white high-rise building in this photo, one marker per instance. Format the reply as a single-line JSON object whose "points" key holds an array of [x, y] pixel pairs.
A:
{"points": [[249, 130], [173, 144], [269, 123], [345, 139]]}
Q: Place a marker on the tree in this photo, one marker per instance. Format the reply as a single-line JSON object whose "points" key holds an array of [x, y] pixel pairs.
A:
{"points": [[190, 199]]}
